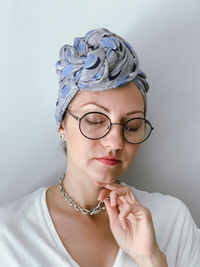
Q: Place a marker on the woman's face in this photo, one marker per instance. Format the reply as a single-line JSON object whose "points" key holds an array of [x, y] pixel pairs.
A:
{"points": [[84, 156]]}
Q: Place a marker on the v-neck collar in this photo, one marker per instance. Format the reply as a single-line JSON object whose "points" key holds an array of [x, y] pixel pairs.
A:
{"points": [[57, 239]]}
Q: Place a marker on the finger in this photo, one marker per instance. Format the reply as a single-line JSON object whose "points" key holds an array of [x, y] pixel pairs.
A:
{"points": [[116, 200], [141, 213], [121, 194], [112, 211], [113, 198], [123, 199], [125, 211], [113, 194], [120, 191], [113, 186], [127, 192], [104, 184], [132, 198], [120, 206], [100, 184], [128, 198], [104, 193], [131, 218]]}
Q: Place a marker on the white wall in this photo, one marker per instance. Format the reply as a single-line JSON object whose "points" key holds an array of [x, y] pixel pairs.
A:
{"points": [[165, 35]]}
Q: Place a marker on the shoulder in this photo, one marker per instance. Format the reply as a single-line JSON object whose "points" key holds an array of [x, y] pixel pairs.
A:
{"points": [[156, 200], [21, 208], [163, 207]]}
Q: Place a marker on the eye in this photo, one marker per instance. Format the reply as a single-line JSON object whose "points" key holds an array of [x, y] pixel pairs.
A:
{"points": [[93, 122], [132, 129], [134, 125], [95, 119]]}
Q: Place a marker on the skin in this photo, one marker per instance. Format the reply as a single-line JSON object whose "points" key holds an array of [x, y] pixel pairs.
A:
{"points": [[89, 180]]}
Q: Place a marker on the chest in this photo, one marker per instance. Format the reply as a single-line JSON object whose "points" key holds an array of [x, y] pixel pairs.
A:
{"points": [[88, 243]]}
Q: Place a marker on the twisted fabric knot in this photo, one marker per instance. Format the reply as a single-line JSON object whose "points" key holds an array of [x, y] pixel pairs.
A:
{"points": [[100, 60]]}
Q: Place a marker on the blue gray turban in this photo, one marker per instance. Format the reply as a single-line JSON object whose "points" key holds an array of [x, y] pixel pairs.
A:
{"points": [[100, 60]]}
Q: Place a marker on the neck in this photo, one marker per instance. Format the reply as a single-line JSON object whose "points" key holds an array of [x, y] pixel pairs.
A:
{"points": [[82, 190]]}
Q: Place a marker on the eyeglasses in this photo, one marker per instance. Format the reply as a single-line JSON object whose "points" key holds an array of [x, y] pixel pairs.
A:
{"points": [[96, 125]]}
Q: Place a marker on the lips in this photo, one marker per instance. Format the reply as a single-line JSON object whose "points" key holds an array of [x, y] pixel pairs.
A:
{"points": [[110, 161]]}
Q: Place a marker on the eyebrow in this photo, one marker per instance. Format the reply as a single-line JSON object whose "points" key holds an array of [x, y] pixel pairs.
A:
{"points": [[107, 110]]}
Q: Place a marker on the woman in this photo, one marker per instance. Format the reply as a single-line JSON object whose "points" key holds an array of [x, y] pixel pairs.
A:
{"points": [[91, 219]]}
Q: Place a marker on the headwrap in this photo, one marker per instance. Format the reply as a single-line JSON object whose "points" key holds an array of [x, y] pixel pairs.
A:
{"points": [[100, 60]]}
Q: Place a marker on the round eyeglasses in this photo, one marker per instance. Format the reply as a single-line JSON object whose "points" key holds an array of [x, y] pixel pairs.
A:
{"points": [[96, 125]]}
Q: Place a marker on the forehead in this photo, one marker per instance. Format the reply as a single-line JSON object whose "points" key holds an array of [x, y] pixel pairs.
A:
{"points": [[123, 98]]}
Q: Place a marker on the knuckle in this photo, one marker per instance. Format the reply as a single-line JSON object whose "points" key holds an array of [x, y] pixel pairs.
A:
{"points": [[113, 194], [127, 188], [124, 213], [147, 212]]}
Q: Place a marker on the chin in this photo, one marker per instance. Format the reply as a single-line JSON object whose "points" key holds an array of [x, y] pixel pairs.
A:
{"points": [[104, 178], [104, 174]]}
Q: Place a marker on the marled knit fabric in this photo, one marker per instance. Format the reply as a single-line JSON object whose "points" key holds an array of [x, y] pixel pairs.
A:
{"points": [[100, 60]]}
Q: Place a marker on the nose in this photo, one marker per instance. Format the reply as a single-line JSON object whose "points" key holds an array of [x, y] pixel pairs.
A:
{"points": [[114, 138]]}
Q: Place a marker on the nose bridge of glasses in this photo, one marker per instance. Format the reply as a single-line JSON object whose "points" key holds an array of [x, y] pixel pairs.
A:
{"points": [[114, 137], [116, 123]]}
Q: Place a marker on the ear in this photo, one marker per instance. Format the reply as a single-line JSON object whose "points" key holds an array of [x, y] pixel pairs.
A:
{"points": [[61, 130]]}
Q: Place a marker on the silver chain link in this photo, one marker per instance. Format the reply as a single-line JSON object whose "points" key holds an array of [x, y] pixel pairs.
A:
{"points": [[72, 203]]}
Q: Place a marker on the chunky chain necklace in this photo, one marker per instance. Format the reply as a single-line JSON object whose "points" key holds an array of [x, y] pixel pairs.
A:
{"points": [[72, 203]]}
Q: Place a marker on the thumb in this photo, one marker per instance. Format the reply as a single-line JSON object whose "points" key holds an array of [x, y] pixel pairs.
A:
{"points": [[112, 211]]}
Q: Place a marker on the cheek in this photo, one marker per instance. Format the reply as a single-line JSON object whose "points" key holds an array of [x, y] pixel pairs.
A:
{"points": [[77, 144], [72, 132], [131, 152]]}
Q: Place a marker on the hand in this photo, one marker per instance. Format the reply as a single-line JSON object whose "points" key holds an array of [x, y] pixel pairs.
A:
{"points": [[130, 223]]}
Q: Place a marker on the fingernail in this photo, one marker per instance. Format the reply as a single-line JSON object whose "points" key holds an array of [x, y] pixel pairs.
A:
{"points": [[111, 203], [124, 226]]}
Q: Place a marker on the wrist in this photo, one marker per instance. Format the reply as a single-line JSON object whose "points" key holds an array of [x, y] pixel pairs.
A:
{"points": [[158, 259]]}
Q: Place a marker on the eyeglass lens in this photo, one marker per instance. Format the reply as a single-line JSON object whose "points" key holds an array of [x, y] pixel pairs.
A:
{"points": [[96, 125]]}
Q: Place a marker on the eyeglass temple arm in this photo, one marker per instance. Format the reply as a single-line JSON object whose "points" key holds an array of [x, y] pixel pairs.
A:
{"points": [[75, 117]]}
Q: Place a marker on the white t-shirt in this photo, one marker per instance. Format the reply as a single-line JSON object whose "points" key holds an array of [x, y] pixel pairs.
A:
{"points": [[28, 236]]}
